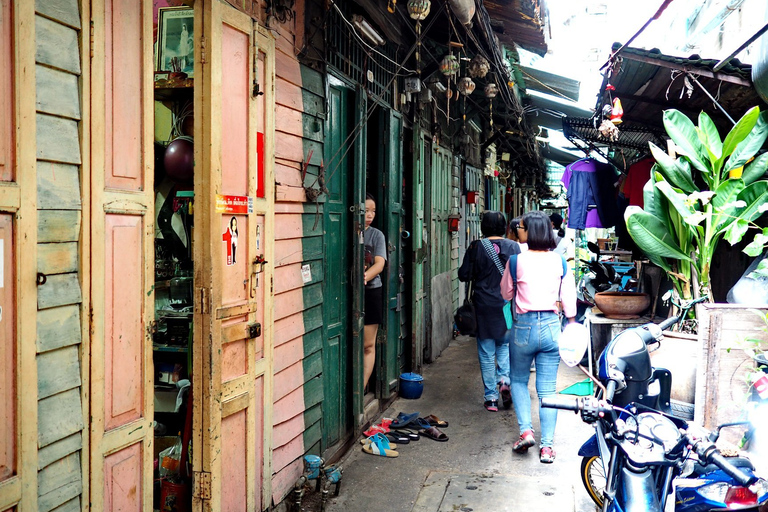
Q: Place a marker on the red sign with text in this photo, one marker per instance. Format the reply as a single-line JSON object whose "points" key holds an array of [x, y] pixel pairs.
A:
{"points": [[238, 205]]}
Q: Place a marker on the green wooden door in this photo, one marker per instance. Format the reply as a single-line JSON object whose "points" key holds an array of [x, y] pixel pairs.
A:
{"points": [[358, 250], [442, 180], [337, 392], [390, 354], [419, 247]]}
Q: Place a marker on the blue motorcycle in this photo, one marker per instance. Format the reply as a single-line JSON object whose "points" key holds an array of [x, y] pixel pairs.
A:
{"points": [[639, 474]]}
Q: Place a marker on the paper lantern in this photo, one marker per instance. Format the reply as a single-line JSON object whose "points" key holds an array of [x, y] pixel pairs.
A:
{"points": [[449, 65], [617, 112], [491, 90], [466, 86], [478, 67], [419, 9]]}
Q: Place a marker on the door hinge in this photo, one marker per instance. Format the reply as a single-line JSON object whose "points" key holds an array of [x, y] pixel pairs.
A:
{"points": [[152, 327], [91, 39], [204, 306], [202, 50], [201, 485], [271, 285]]}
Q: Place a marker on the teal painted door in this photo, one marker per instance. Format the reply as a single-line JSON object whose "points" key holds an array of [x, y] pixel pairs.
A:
{"points": [[358, 249], [441, 190], [392, 166], [337, 391], [419, 246]]}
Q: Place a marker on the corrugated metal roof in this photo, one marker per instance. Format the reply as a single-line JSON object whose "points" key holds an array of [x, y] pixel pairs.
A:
{"points": [[649, 82]]}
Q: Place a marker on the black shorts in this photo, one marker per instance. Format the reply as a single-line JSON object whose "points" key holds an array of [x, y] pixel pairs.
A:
{"points": [[373, 306]]}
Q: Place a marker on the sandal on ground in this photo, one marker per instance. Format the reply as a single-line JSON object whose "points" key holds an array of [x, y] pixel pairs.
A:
{"points": [[398, 438], [491, 405], [433, 433], [375, 429], [412, 434], [547, 455], [506, 396], [435, 421], [379, 445], [403, 420]]}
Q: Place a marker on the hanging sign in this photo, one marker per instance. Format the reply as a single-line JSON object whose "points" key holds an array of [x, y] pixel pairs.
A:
{"points": [[238, 205]]}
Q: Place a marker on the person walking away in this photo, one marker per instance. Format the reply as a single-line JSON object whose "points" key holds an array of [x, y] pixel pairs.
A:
{"points": [[514, 233], [493, 338], [375, 260], [539, 283], [562, 241]]}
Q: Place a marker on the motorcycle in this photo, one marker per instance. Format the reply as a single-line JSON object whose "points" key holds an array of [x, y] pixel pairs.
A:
{"points": [[628, 380], [648, 450]]}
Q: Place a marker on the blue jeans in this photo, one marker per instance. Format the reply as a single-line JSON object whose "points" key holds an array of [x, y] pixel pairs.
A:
{"points": [[536, 336], [494, 364]]}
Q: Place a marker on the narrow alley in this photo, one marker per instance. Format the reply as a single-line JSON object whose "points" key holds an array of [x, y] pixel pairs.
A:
{"points": [[475, 470]]}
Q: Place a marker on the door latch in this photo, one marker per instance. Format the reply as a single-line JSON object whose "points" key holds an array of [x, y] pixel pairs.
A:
{"points": [[254, 330]]}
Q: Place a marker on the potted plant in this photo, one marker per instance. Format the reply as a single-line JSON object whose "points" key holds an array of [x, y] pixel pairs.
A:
{"points": [[712, 190]]}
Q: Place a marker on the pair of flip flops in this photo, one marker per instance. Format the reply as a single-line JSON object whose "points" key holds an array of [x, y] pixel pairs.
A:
{"points": [[404, 420], [378, 444]]}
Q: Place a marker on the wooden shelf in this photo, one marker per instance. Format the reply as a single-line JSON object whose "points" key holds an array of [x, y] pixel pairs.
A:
{"points": [[174, 90], [170, 348]]}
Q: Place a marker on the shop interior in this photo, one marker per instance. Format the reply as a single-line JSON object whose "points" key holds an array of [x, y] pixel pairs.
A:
{"points": [[174, 229]]}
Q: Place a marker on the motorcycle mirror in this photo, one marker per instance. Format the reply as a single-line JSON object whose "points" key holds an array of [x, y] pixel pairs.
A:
{"points": [[573, 343], [592, 246]]}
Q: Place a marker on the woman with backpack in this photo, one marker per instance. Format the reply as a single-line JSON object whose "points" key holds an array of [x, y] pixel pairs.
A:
{"points": [[482, 267], [537, 282]]}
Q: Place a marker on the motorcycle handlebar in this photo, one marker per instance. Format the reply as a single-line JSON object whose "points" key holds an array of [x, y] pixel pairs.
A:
{"points": [[610, 390], [669, 322], [710, 455], [555, 402]]}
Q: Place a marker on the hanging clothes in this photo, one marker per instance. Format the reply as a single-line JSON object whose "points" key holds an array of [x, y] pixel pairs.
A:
{"points": [[637, 176], [590, 186]]}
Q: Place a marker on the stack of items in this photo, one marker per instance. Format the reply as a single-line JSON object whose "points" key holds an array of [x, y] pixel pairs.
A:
{"points": [[407, 427]]}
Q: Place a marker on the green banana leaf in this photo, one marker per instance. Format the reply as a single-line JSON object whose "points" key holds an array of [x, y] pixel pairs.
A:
{"points": [[751, 144], [677, 172], [754, 195], [738, 133], [678, 201], [755, 169], [651, 235], [710, 137], [728, 192], [683, 132]]}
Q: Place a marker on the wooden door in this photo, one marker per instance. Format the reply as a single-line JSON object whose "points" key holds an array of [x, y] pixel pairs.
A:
{"points": [[358, 150], [441, 188], [122, 256], [392, 170], [337, 391], [233, 261], [419, 247], [18, 264]]}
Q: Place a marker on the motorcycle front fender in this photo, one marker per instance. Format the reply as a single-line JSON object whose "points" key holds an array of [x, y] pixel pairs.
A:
{"points": [[589, 448]]}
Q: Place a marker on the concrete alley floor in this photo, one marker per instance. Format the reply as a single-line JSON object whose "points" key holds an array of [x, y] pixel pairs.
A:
{"points": [[475, 470]]}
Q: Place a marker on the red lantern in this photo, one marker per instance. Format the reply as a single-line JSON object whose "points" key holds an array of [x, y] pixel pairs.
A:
{"points": [[617, 112], [471, 197], [453, 223]]}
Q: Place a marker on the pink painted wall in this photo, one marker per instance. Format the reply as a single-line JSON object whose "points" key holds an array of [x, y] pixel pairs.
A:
{"points": [[7, 352]]}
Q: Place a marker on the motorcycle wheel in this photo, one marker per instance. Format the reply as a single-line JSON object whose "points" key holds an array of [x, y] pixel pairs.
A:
{"points": [[593, 477]]}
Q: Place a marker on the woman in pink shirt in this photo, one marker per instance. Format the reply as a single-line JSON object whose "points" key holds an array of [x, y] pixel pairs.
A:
{"points": [[542, 287]]}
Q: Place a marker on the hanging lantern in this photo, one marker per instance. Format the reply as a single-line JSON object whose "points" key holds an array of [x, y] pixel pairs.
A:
{"points": [[617, 111], [478, 66], [449, 66], [466, 86], [491, 90], [419, 9]]}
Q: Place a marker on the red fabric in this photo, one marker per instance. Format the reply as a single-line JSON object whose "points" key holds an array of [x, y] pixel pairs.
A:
{"points": [[638, 175]]}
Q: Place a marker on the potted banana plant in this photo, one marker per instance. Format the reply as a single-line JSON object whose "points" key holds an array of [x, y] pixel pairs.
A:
{"points": [[713, 189]]}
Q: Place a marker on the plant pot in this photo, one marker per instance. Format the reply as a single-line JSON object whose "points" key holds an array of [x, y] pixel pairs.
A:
{"points": [[622, 305]]}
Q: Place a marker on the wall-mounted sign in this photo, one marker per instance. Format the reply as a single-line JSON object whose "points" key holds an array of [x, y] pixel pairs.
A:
{"points": [[238, 205]]}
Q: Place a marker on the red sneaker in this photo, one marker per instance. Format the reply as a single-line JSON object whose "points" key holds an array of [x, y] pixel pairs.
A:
{"points": [[526, 441], [547, 455], [491, 405]]}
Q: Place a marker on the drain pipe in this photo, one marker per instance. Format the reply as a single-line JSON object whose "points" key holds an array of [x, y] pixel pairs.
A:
{"points": [[298, 492]]}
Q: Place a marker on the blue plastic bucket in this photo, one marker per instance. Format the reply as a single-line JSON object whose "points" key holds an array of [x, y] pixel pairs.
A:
{"points": [[411, 385]]}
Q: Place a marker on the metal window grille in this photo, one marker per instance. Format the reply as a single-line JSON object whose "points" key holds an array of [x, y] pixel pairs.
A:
{"points": [[352, 58]]}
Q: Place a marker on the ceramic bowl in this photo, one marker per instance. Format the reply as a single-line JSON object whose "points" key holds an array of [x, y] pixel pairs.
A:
{"points": [[622, 305]]}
